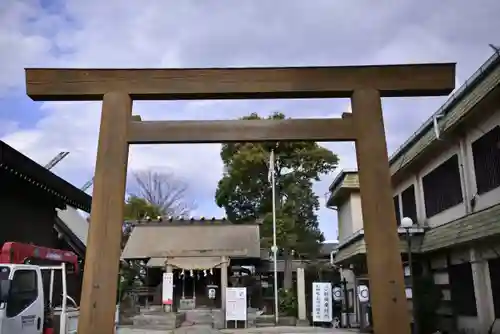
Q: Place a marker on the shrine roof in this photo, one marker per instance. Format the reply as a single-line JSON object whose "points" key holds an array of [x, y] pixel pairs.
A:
{"points": [[22, 167], [193, 238]]}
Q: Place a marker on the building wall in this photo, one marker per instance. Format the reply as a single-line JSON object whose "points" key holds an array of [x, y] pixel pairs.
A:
{"points": [[462, 146], [451, 213], [344, 220], [25, 216], [350, 218], [350, 221], [492, 197]]}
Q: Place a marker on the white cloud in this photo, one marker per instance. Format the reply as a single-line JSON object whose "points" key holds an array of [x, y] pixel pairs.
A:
{"points": [[210, 33]]}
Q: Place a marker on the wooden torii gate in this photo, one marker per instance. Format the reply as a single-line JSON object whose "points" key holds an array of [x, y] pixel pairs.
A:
{"points": [[364, 85]]}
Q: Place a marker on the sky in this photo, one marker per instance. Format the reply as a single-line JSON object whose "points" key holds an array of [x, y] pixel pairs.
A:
{"points": [[218, 33]]}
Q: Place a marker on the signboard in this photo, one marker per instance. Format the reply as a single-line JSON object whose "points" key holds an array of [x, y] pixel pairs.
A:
{"points": [[322, 302], [363, 293], [236, 304], [168, 288]]}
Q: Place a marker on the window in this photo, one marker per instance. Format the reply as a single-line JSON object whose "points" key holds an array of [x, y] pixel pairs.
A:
{"points": [[462, 289], [442, 187], [486, 156], [23, 291], [4, 273], [494, 266], [396, 208], [409, 204]]}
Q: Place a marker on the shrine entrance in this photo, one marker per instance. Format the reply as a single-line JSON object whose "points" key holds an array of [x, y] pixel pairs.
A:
{"points": [[364, 85]]}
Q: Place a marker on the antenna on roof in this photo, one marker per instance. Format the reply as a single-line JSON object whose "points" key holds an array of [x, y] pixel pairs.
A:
{"points": [[495, 48]]}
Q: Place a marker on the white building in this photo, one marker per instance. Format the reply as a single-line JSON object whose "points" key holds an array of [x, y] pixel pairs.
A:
{"points": [[446, 177]]}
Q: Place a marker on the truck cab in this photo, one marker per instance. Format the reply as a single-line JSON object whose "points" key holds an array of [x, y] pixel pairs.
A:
{"points": [[32, 281], [22, 308]]}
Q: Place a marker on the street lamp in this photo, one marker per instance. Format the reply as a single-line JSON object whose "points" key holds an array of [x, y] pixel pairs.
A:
{"points": [[407, 224]]}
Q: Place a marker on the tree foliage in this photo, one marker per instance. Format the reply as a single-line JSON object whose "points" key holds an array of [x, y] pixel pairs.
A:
{"points": [[245, 191], [137, 208], [164, 191]]}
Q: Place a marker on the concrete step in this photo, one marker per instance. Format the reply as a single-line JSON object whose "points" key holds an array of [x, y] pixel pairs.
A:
{"points": [[264, 324], [163, 320]]}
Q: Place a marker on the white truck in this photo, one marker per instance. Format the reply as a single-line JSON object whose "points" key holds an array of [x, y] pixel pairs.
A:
{"points": [[26, 307]]}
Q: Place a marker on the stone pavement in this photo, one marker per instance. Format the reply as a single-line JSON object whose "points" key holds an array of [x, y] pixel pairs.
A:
{"points": [[203, 329]]}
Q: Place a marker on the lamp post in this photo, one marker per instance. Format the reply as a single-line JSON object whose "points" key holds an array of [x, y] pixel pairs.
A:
{"points": [[407, 224]]}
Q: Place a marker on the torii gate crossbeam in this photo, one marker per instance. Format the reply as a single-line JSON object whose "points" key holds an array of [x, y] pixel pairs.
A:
{"points": [[364, 85]]}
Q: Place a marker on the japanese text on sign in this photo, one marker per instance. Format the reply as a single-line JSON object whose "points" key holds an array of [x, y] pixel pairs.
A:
{"points": [[322, 302]]}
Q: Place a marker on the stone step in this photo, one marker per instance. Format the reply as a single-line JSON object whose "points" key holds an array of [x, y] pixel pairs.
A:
{"points": [[161, 320], [264, 324]]}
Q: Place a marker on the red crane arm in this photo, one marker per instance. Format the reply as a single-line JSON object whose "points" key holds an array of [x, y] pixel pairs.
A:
{"points": [[15, 252]]}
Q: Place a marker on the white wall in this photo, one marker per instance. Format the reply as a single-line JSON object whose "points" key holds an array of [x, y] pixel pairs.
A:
{"points": [[356, 211], [344, 220], [350, 218]]}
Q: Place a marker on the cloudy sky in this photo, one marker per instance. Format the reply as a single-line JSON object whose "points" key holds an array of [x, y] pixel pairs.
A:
{"points": [[207, 33]]}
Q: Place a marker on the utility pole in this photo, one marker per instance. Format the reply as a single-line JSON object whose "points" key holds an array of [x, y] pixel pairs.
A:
{"points": [[274, 248]]}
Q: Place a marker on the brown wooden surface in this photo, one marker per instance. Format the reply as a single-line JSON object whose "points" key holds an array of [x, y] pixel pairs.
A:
{"points": [[387, 294], [97, 308], [162, 132], [240, 83]]}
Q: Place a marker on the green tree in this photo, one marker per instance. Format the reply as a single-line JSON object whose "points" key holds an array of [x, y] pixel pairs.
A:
{"points": [[137, 208], [245, 191]]}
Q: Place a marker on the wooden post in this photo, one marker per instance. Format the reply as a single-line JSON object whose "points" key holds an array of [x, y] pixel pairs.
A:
{"points": [[105, 231], [389, 307]]}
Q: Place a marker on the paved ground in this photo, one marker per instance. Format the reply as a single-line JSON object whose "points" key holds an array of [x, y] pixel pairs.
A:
{"points": [[261, 330]]}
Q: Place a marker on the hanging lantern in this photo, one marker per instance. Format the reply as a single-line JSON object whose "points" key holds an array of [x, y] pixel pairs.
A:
{"points": [[182, 273], [211, 272], [191, 273], [205, 273]]}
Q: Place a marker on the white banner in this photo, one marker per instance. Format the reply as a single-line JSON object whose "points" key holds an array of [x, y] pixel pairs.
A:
{"points": [[236, 304], [322, 302], [168, 288]]}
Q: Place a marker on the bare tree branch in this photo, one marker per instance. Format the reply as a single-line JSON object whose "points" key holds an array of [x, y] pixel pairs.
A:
{"points": [[164, 190]]}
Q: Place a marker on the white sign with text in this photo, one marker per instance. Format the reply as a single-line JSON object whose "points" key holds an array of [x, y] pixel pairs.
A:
{"points": [[168, 288], [236, 304], [322, 302]]}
